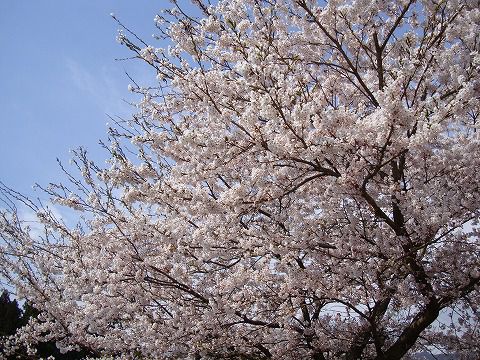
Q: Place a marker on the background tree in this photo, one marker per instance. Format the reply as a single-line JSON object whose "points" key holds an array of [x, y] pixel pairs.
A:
{"points": [[302, 183], [10, 315]]}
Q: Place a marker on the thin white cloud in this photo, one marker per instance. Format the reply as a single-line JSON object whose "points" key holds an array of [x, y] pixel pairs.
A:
{"points": [[103, 86]]}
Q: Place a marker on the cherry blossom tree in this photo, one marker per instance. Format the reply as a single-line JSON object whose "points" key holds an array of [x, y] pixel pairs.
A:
{"points": [[301, 183]]}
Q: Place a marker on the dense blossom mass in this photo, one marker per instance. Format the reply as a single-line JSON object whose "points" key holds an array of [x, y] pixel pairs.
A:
{"points": [[301, 183]]}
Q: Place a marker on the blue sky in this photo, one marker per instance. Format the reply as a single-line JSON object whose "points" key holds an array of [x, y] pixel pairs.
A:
{"points": [[59, 80]]}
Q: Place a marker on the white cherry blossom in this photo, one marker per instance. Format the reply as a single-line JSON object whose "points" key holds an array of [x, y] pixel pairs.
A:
{"points": [[302, 184]]}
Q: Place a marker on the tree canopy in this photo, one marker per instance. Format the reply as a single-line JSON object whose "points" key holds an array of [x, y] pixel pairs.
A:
{"points": [[301, 183], [12, 318]]}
